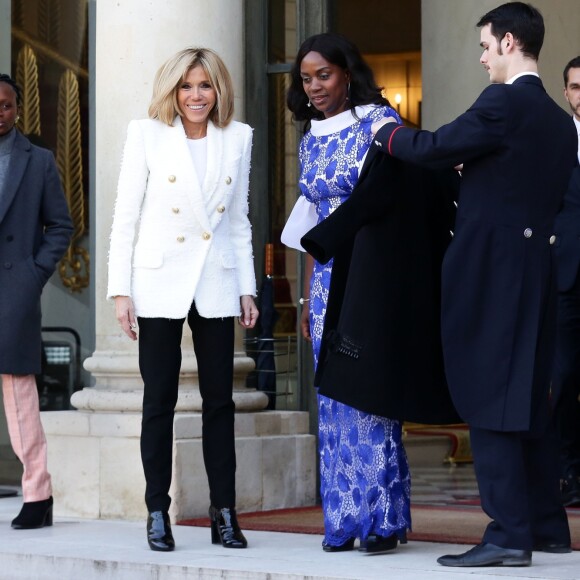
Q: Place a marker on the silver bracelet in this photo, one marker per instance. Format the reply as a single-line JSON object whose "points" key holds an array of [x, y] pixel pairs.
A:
{"points": [[303, 300]]}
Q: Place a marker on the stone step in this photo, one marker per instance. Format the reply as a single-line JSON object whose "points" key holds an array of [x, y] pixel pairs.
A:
{"points": [[95, 550]]}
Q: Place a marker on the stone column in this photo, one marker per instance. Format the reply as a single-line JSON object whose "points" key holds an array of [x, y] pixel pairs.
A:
{"points": [[144, 35], [94, 451]]}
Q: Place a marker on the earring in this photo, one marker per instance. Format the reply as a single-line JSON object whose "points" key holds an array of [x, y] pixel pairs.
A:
{"points": [[17, 119], [348, 91], [309, 104]]}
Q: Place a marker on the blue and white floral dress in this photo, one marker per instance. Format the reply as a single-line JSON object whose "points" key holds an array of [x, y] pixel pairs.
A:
{"points": [[365, 483]]}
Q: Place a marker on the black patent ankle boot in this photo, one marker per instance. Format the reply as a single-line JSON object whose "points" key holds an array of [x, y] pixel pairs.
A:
{"points": [[159, 536], [34, 514], [225, 528]]}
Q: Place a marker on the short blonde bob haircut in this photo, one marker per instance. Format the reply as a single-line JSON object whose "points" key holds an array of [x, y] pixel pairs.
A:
{"points": [[170, 76]]}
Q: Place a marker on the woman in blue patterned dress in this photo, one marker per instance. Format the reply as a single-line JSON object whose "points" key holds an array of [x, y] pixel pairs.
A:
{"points": [[365, 481]]}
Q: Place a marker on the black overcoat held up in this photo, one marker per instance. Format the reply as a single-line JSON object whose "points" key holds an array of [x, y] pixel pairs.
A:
{"points": [[381, 348], [35, 229]]}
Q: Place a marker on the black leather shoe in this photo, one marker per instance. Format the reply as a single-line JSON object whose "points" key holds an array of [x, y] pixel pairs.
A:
{"points": [[553, 548], [346, 547], [34, 514], [159, 534], [374, 544], [225, 528], [488, 555]]}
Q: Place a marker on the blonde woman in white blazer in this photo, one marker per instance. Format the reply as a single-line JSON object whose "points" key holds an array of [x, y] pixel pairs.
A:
{"points": [[181, 249]]}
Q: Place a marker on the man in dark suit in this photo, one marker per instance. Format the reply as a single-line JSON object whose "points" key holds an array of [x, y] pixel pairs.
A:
{"points": [[567, 369], [498, 286], [35, 229]]}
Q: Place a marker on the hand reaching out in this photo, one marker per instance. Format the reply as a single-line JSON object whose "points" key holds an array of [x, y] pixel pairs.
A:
{"points": [[378, 124]]}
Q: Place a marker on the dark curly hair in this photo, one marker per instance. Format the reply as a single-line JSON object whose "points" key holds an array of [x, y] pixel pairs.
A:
{"points": [[340, 51], [4, 78]]}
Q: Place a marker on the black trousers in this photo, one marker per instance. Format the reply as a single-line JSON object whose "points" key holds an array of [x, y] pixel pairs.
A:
{"points": [[160, 363], [519, 487], [567, 380]]}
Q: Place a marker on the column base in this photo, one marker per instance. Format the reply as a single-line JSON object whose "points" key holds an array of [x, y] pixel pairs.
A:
{"points": [[188, 399], [119, 386], [95, 463]]}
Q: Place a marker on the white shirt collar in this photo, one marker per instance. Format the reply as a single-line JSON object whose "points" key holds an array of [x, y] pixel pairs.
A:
{"points": [[337, 123], [510, 81], [577, 123]]}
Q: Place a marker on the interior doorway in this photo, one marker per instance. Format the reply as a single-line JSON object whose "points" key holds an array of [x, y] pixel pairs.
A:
{"points": [[388, 34]]}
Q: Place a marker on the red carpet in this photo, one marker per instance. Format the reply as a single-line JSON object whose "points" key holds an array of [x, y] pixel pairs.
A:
{"points": [[447, 524]]}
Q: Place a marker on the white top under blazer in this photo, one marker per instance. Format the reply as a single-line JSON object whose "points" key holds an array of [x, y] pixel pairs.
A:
{"points": [[192, 242]]}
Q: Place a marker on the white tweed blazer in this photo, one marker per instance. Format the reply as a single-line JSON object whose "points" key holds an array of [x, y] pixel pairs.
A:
{"points": [[173, 242]]}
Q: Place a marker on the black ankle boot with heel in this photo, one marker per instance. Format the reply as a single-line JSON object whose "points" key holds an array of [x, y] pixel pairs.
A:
{"points": [[225, 528], [159, 536], [34, 514]]}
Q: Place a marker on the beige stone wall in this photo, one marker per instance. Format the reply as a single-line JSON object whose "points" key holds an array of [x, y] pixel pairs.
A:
{"points": [[452, 75]]}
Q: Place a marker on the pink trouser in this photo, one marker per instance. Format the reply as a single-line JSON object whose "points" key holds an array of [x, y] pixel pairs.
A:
{"points": [[26, 434]]}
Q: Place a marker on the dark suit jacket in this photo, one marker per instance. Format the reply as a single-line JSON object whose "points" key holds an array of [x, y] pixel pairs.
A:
{"points": [[35, 230], [567, 229], [381, 346], [498, 296]]}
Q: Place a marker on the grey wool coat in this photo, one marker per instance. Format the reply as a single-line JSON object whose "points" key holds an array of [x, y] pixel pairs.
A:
{"points": [[35, 230]]}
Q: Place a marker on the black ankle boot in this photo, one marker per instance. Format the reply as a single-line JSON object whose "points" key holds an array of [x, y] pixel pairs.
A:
{"points": [[346, 547], [225, 528], [34, 514], [159, 536], [375, 543]]}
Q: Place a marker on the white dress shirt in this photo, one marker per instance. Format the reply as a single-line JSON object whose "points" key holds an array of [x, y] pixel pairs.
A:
{"points": [[577, 123]]}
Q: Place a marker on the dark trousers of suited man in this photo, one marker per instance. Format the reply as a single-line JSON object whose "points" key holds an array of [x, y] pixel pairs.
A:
{"points": [[567, 383], [160, 363], [517, 470]]}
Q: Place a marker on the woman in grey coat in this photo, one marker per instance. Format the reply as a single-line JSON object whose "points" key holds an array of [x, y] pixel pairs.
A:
{"points": [[35, 230]]}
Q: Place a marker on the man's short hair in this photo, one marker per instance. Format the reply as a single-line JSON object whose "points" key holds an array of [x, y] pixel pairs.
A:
{"points": [[574, 63], [524, 22]]}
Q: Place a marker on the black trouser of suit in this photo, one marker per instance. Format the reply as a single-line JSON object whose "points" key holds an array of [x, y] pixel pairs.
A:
{"points": [[567, 380], [518, 478], [160, 363]]}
